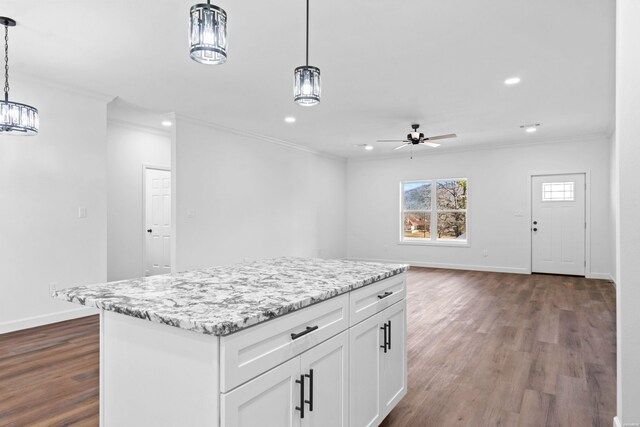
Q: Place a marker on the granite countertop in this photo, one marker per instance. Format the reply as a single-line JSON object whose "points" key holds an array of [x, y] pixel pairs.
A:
{"points": [[226, 299]]}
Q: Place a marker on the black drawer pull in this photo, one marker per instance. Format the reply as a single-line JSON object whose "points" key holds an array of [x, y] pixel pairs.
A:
{"points": [[384, 346], [305, 332], [310, 401], [389, 342], [301, 407], [386, 294]]}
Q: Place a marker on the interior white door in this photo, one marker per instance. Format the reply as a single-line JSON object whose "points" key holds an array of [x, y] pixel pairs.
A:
{"points": [[326, 367], [393, 363], [266, 401], [157, 221], [558, 224], [365, 341]]}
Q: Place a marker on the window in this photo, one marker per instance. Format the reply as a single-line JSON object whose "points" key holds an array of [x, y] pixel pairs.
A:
{"points": [[434, 211], [557, 191]]}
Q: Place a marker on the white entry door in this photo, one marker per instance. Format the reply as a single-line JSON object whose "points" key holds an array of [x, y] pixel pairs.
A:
{"points": [[157, 221], [558, 224]]}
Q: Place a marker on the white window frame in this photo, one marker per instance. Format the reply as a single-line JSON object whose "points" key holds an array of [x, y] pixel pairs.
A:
{"points": [[433, 240]]}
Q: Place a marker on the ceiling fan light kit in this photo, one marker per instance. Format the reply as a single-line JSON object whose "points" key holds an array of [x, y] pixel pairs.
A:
{"points": [[306, 79], [417, 138], [208, 34], [15, 118]]}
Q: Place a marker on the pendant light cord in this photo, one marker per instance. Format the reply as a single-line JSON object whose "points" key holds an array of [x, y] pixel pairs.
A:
{"points": [[6, 63], [307, 33]]}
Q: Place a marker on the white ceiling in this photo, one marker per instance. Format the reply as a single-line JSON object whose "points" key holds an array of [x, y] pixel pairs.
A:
{"points": [[384, 64]]}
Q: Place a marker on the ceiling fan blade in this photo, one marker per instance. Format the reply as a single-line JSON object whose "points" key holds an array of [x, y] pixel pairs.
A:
{"points": [[449, 135], [402, 146], [431, 144], [392, 140]]}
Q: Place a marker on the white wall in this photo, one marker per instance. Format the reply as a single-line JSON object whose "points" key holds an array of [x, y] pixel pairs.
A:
{"points": [[128, 149], [498, 186], [44, 179], [252, 199], [627, 160]]}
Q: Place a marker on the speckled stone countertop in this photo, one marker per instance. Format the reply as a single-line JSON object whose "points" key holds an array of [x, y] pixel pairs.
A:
{"points": [[226, 299]]}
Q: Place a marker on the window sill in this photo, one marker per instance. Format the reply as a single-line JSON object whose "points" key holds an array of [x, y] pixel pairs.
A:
{"points": [[435, 243]]}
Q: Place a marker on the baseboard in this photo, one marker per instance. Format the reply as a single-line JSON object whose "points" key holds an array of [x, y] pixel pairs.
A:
{"points": [[616, 422], [600, 276], [495, 269], [45, 319]]}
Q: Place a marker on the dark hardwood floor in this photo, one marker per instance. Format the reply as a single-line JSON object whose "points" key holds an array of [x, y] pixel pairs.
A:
{"points": [[491, 349], [485, 349], [49, 375]]}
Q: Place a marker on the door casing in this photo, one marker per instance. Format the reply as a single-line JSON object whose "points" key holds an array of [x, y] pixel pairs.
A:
{"points": [[587, 215], [143, 227]]}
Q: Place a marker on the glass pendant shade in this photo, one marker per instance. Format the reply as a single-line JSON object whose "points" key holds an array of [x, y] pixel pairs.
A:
{"points": [[208, 34], [306, 85], [18, 119]]}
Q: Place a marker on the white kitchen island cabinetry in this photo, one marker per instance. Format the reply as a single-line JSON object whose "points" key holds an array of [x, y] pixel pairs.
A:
{"points": [[286, 342]]}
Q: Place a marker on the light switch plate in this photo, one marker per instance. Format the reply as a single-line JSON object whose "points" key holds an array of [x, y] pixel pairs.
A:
{"points": [[82, 212]]}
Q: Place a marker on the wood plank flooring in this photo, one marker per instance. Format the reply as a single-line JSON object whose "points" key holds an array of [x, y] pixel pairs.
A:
{"points": [[485, 349], [491, 349], [49, 376]]}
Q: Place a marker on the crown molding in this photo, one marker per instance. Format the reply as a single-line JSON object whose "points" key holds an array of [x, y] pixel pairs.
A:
{"points": [[28, 78], [602, 136], [249, 134], [138, 127]]}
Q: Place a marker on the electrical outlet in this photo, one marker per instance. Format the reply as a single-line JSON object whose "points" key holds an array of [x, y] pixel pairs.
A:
{"points": [[191, 213], [82, 212], [485, 253], [52, 287]]}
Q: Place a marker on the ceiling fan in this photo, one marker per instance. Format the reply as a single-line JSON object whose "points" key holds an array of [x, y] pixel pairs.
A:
{"points": [[415, 138]]}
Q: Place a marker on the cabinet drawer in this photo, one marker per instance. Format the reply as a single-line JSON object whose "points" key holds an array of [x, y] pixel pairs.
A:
{"points": [[371, 299], [248, 353]]}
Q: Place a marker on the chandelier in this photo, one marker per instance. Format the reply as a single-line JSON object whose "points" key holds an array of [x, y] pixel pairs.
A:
{"points": [[208, 34], [306, 79], [15, 118]]}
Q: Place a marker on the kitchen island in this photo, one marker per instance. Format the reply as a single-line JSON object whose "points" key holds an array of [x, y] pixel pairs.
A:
{"points": [[282, 342]]}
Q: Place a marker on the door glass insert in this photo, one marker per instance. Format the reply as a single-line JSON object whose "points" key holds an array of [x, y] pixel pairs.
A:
{"points": [[557, 191]]}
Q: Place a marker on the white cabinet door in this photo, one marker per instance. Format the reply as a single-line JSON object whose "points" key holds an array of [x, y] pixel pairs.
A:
{"points": [[326, 370], [393, 363], [365, 341], [266, 401]]}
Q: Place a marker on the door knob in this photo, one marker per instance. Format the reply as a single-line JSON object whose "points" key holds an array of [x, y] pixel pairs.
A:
{"points": [[535, 222], [535, 229], [149, 230]]}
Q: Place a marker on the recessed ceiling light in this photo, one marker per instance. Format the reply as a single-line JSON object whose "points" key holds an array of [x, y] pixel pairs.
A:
{"points": [[166, 123], [368, 147], [512, 81], [531, 130], [290, 119]]}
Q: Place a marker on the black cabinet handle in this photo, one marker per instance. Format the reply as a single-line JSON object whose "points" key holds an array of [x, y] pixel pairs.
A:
{"points": [[310, 401], [301, 407], [305, 332], [384, 346], [386, 294], [149, 230], [389, 342]]}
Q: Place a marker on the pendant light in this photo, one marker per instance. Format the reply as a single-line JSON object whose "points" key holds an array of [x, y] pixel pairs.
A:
{"points": [[15, 118], [306, 79], [208, 34]]}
